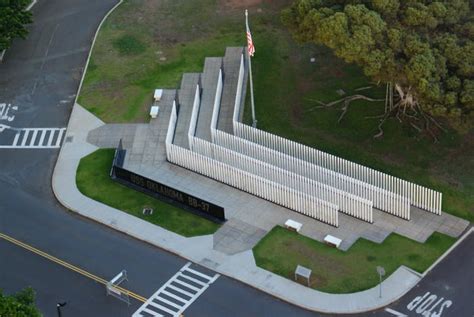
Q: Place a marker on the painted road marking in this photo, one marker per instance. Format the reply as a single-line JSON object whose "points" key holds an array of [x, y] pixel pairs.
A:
{"points": [[69, 266], [429, 305], [5, 109], [28, 138], [395, 313], [180, 291]]}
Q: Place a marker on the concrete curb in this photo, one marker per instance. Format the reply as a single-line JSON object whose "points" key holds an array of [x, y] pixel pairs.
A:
{"points": [[445, 254], [92, 47]]}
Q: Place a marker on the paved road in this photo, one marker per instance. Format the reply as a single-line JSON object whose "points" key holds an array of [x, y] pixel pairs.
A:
{"points": [[40, 77], [447, 291]]}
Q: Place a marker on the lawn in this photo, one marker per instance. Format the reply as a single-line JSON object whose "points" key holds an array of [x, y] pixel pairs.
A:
{"points": [[336, 271], [146, 44], [287, 86], [93, 180]]}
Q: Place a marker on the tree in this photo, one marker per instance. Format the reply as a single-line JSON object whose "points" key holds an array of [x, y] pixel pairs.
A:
{"points": [[422, 49], [20, 304], [13, 18]]}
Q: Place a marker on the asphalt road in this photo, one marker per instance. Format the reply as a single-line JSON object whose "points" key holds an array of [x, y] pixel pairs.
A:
{"points": [[40, 77], [446, 291]]}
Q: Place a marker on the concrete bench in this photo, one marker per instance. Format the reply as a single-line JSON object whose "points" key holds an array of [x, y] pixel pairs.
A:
{"points": [[332, 241], [154, 111], [157, 95], [293, 225]]}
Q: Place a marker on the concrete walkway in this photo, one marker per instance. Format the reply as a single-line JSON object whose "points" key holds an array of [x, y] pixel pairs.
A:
{"points": [[240, 266]]}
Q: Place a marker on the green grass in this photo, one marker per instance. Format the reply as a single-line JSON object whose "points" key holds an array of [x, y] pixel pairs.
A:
{"points": [[336, 271], [148, 44], [178, 35], [129, 45], [93, 180], [287, 88]]}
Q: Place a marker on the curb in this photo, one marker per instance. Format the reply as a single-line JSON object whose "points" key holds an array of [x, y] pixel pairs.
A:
{"points": [[92, 47], [445, 254]]}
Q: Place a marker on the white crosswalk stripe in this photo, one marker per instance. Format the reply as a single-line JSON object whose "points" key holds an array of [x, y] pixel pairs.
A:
{"points": [[35, 138], [177, 293]]}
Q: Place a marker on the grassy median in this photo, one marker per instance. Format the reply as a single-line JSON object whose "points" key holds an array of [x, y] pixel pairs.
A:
{"points": [[93, 180], [336, 271]]}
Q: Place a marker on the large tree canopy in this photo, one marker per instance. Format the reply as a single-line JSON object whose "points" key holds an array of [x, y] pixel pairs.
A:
{"points": [[424, 48], [20, 304], [13, 18]]}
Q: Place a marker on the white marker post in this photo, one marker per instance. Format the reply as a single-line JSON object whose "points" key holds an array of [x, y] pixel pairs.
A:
{"points": [[250, 51]]}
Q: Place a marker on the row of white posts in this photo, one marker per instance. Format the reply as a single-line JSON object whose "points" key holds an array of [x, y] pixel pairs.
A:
{"points": [[279, 194], [417, 195], [306, 180]]}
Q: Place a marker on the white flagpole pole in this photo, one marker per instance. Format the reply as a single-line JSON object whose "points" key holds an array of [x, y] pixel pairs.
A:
{"points": [[254, 121]]}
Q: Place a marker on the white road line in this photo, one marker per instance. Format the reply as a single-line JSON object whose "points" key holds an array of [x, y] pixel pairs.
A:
{"points": [[161, 307], [164, 300], [43, 134], [174, 296], [179, 283], [33, 138], [25, 136], [198, 282], [50, 139], [182, 291], [394, 312], [207, 277], [183, 283], [152, 312], [15, 141], [60, 136]]}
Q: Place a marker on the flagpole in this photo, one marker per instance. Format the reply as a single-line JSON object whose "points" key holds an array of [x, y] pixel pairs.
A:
{"points": [[254, 121]]}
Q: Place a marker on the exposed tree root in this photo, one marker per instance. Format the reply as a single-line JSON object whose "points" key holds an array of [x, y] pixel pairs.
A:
{"points": [[346, 100], [363, 88], [406, 109]]}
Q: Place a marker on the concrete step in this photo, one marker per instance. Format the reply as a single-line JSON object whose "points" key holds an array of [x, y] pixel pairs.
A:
{"points": [[209, 80], [231, 73], [186, 99]]}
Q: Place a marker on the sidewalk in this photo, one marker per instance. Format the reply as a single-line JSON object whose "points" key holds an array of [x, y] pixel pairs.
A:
{"points": [[240, 266]]}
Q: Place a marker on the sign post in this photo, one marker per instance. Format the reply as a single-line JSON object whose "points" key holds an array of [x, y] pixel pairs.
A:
{"points": [[381, 272]]}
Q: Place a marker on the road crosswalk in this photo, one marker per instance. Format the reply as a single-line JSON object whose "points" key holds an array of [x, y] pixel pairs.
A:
{"points": [[177, 293], [36, 138]]}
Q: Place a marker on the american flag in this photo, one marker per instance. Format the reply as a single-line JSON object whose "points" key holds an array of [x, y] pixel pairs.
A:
{"points": [[250, 46]]}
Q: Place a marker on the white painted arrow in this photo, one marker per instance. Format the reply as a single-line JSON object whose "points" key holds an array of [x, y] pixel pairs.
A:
{"points": [[3, 127]]}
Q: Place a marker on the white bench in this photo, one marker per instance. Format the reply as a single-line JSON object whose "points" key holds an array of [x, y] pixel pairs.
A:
{"points": [[154, 111], [293, 225], [332, 241], [157, 95]]}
